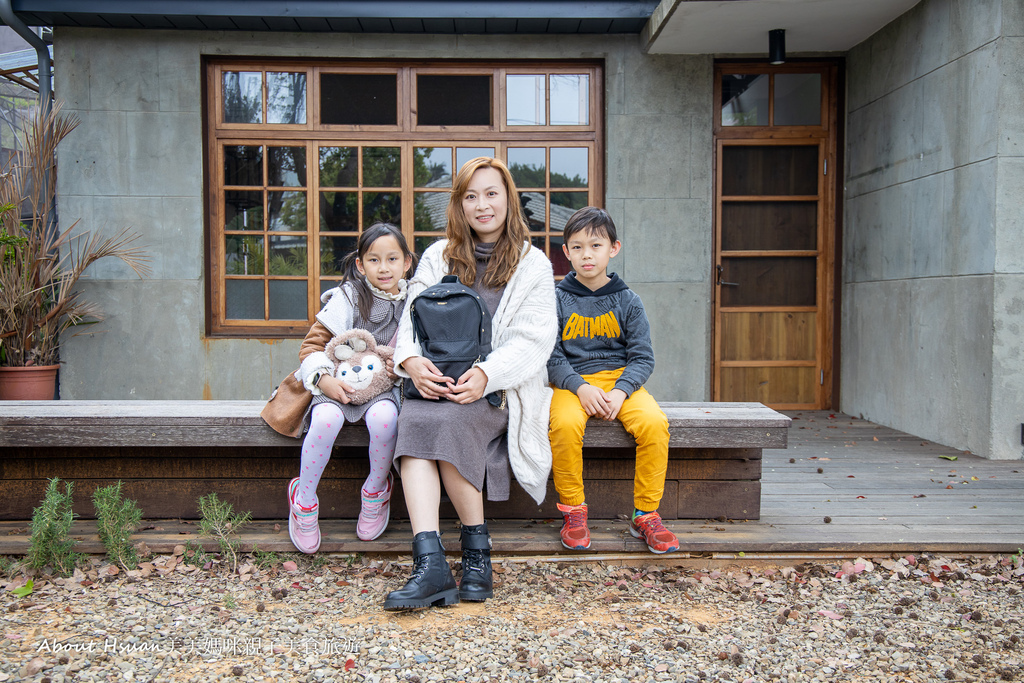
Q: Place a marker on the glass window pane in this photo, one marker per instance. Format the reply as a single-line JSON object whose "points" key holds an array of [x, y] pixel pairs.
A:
{"points": [[569, 166], [287, 211], [539, 242], [422, 242], [563, 205], [327, 284], [288, 255], [339, 211], [286, 97], [534, 210], [464, 154], [243, 255], [286, 166], [559, 263], [769, 281], [524, 100], [744, 99], [432, 166], [243, 165], [770, 170], [382, 207], [570, 99], [382, 166], [243, 210], [243, 299], [760, 226], [359, 99], [339, 167], [798, 99], [429, 208], [333, 250], [287, 299], [243, 97], [453, 100], [528, 167]]}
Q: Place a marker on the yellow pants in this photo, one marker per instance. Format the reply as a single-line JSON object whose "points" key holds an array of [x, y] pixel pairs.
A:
{"points": [[640, 415]]}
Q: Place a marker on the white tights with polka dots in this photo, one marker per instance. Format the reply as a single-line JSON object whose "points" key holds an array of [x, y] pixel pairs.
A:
{"points": [[325, 423]]}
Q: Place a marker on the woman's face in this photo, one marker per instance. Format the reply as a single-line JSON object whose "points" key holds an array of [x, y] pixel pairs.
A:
{"points": [[485, 204]]}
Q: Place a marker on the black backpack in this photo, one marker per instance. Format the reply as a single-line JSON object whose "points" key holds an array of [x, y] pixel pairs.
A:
{"points": [[453, 326]]}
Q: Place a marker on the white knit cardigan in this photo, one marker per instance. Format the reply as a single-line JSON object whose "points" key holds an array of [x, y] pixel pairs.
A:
{"points": [[524, 329]]}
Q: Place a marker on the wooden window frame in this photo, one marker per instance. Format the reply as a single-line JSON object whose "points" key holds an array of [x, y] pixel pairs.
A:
{"points": [[405, 134]]}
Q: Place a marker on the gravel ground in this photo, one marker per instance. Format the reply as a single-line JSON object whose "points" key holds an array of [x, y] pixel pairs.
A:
{"points": [[879, 619]]}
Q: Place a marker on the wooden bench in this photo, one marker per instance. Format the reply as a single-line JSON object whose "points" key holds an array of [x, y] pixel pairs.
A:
{"points": [[169, 453]]}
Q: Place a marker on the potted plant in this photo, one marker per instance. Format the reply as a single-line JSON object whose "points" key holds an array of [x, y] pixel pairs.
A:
{"points": [[40, 265]]}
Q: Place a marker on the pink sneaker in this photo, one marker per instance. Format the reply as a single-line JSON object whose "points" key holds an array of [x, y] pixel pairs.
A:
{"points": [[302, 522], [375, 512]]}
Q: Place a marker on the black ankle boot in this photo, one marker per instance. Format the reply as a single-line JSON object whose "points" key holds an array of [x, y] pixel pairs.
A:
{"points": [[477, 583], [432, 582]]}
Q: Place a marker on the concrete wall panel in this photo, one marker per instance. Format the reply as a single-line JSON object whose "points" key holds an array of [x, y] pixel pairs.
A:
{"points": [[1009, 211], [91, 159], [1011, 96], [165, 154], [666, 240], [1008, 369], [648, 156]]}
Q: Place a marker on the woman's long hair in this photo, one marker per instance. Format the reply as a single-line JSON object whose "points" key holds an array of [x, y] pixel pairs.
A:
{"points": [[460, 250], [350, 271]]}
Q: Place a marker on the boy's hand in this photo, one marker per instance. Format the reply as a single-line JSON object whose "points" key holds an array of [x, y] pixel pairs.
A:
{"points": [[594, 401], [615, 399], [335, 388]]}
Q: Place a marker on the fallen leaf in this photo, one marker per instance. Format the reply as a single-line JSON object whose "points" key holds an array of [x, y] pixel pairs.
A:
{"points": [[947, 457], [830, 614], [24, 591], [290, 566], [350, 664]]}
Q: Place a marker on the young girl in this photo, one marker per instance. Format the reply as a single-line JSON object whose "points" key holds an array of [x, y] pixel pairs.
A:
{"points": [[371, 296], [454, 437]]}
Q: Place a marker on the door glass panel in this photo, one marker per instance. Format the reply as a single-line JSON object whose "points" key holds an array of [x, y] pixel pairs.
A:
{"points": [[382, 166], [333, 250], [339, 211], [769, 281], [243, 299], [286, 97], [287, 255], [745, 99], [383, 207], [359, 99], [773, 385], [453, 100], [286, 166], [769, 170], [464, 154], [798, 99], [768, 335], [528, 167], [243, 210], [429, 208], [287, 299], [762, 226], [569, 166], [286, 211], [432, 166], [243, 165], [570, 99], [243, 97], [243, 255], [339, 167], [525, 96]]}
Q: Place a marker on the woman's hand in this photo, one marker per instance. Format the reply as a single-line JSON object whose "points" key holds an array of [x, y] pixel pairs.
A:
{"points": [[335, 388], [428, 379], [470, 386]]}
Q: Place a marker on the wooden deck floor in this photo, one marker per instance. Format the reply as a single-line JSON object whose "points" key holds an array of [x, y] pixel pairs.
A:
{"points": [[883, 491]]}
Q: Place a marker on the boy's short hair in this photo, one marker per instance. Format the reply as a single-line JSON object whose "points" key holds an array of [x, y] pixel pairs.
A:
{"points": [[593, 220]]}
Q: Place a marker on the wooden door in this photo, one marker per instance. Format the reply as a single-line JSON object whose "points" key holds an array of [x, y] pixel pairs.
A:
{"points": [[774, 235]]}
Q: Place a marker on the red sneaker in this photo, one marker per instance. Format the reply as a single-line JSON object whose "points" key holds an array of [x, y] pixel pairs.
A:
{"points": [[575, 534], [649, 527]]}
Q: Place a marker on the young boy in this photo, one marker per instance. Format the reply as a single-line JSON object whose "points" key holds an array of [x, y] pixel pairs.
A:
{"points": [[598, 368]]}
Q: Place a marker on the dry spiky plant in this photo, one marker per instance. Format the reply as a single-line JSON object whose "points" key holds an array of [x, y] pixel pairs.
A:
{"points": [[40, 265]]}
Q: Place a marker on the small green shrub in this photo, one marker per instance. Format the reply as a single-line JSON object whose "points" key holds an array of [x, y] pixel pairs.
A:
{"points": [[116, 519], [194, 554], [220, 522], [265, 559], [51, 543]]}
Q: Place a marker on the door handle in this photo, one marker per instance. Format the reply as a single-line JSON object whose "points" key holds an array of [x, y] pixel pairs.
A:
{"points": [[723, 282]]}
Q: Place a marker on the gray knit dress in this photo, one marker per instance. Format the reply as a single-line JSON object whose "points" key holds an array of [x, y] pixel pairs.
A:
{"points": [[472, 437]]}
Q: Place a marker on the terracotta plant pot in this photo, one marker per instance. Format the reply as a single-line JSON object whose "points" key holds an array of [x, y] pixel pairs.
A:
{"points": [[34, 383]]}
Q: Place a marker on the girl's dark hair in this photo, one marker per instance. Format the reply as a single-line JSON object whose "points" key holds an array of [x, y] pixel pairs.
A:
{"points": [[593, 220], [350, 271]]}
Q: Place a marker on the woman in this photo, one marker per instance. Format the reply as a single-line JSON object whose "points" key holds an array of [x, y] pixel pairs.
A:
{"points": [[453, 436]]}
